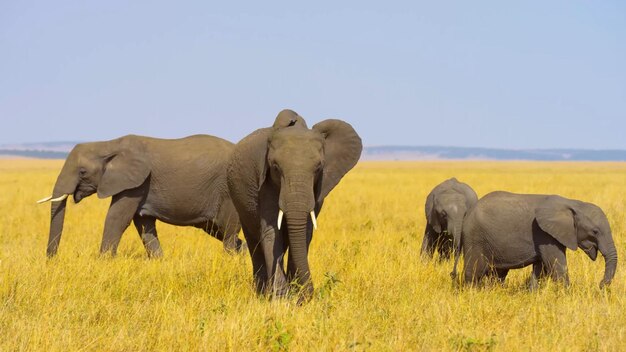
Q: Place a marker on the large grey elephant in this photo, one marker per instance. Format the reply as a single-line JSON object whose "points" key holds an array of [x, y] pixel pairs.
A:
{"points": [[278, 179], [178, 181], [446, 206], [507, 231]]}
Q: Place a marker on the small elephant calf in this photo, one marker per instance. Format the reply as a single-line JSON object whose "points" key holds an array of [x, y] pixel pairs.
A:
{"points": [[508, 231], [446, 206]]}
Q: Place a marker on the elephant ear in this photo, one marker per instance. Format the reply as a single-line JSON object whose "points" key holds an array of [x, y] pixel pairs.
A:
{"points": [[123, 170], [342, 150], [431, 214], [289, 118], [557, 219]]}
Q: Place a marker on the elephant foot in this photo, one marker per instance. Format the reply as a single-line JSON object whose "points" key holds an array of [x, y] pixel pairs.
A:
{"points": [[155, 254], [305, 294]]}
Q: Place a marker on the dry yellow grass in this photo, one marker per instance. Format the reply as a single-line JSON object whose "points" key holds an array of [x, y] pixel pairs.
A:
{"points": [[373, 292]]}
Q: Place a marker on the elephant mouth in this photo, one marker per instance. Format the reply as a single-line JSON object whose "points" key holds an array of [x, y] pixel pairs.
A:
{"points": [[592, 252], [83, 192]]}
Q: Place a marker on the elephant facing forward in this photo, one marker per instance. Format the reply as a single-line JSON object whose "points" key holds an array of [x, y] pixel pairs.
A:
{"points": [[178, 181], [446, 206], [278, 179], [506, 231]]}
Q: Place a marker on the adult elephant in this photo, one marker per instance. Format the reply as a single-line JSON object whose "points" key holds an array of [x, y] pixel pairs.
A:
{"points": [[446, 206], [506, 231], [178, 181], [278, 179]]}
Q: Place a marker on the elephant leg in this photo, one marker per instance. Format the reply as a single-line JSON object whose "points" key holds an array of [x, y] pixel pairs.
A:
{"points": [[121, 211], [428, 243], [146, 226], [475, 268], [538, 272], [554, 261], [228, 235], [499, 274], [259, 272], [556, 265], [274, 252]]}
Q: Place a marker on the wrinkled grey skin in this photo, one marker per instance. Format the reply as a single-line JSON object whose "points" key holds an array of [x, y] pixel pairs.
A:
{"points": [[507, 231], [178, 181], [446, 206], [293, 168]]}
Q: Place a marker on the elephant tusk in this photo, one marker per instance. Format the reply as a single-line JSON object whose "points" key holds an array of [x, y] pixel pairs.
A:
{"points": [[43, 200], [58, 199], [313, 219], [280, 218]]}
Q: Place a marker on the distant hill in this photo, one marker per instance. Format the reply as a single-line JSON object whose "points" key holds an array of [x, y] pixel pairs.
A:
{"points": [[464, 153], [45, 150], [37, 154], [60, 150]]}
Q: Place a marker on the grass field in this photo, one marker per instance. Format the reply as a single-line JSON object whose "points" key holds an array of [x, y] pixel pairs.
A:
{"points": [[373, 292]]}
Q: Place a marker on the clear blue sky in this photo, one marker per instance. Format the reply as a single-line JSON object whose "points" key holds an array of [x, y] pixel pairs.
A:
{"points": [[525, 74]]}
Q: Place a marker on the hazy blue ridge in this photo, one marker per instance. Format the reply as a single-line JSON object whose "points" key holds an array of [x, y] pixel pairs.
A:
{"points": [[38, 154], [435, 152], [60, 150]]}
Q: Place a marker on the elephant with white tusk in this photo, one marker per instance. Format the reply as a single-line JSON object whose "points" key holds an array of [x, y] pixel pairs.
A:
{"points": [[178, 181], [278, 178]]}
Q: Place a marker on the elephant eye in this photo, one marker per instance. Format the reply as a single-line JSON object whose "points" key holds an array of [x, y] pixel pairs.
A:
{"points": [[82, 171], [596, 232]]}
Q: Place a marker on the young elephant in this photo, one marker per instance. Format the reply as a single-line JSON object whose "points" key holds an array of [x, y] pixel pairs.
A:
{"points": [[507, 231], [446, 206], [278, 179], [178, 181]]}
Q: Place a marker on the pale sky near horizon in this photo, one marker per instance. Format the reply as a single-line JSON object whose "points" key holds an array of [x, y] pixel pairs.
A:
{"points": [[528, 74]]}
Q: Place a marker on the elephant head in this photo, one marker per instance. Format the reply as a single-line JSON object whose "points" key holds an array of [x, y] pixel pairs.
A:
{"points": [[577, 224], [107, 168], [447, 205], [445, 212]]}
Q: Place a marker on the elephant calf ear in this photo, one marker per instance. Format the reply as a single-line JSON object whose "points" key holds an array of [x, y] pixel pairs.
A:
{"points": [[557, 219], [125, 170], [342, 150]]}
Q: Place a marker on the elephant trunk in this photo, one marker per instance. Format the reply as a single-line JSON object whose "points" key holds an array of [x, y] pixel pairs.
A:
{"points": [[65, 185], [297, 201], [57, 217], [455, 231], [297, 226], [607, 248]]}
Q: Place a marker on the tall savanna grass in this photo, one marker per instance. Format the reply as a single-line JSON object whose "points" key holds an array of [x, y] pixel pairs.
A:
{"points": [[373, 291]]}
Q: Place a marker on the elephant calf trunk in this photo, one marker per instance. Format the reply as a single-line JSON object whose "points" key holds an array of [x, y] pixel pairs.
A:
{"points": [[610, 264]]}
